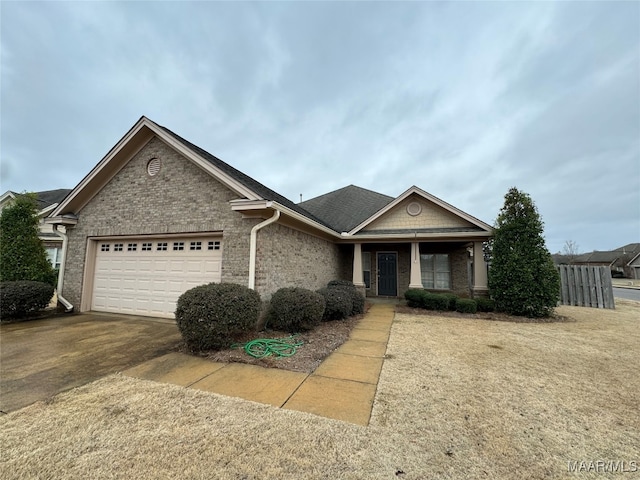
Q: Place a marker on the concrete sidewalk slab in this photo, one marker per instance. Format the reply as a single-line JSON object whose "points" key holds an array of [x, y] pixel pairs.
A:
{"points": [[344, 400], [373, 325], [363, 348], [343, 387], [351, 367], [175, 368], [360, 333], [265, 385]]}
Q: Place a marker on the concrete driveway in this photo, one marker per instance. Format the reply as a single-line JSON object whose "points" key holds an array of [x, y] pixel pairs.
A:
{"points": [[41, 358]]}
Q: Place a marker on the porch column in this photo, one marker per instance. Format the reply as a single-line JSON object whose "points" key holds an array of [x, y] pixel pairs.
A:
{"points": [[358, 279], [480, 283], [415, 279]]}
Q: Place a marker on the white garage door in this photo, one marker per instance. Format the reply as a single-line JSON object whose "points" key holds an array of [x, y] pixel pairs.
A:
{"points": [[146, 276]]}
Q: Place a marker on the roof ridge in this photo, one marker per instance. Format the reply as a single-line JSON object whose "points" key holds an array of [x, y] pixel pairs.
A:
{"points": [[333, 192], [249, 182]]}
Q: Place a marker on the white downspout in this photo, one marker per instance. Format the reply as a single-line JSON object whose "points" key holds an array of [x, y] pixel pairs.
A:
{"points": [[63, 261], [254, 245]]}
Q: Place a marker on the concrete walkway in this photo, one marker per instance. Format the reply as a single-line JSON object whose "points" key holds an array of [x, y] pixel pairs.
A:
{"points": [[342, 387]]}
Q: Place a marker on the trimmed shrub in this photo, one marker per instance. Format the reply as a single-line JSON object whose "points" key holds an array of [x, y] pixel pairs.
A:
{"points": [[485, 304], [466, 305], [20, 298], [434, 301], [338, 303], [295, 309], [414, 297], [357, 298], [212, 316], [451, 298]]}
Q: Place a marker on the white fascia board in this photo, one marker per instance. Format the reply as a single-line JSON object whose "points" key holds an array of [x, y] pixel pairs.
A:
{"points": [[144, 122], [303, 219], [426, 196], [7, 195], [45, 211], [243, 204], [633, 260], [98, 168], [226, 179], [61, 220], [462, 236]]}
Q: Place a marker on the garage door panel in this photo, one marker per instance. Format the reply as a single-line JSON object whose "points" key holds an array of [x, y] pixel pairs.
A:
{"points": [[149, 281]]}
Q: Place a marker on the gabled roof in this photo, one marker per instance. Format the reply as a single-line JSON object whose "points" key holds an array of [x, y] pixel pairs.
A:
{"points": [[44, 199], [346, 207], [480, 225], [51, 197], [629, 248], [598, 257], [264, 192], [340, 213], [246, 187]]}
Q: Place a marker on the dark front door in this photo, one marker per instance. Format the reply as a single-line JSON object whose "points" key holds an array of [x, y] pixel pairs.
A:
{"points": [[387, 276]]}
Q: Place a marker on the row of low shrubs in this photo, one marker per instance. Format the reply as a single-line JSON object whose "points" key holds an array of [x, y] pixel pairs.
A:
{"points": [[417, 298], [22, 298], [213, 316]]}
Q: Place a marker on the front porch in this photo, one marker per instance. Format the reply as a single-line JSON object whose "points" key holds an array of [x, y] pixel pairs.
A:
{"points": [[390, 269]]}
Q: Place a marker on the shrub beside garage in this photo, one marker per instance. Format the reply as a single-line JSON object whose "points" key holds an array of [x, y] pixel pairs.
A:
{"points": [[22, 298], [294, 309], [212, 316]]}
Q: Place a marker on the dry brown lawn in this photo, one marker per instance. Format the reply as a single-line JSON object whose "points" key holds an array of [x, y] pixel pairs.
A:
{"points": [[458, 398]]}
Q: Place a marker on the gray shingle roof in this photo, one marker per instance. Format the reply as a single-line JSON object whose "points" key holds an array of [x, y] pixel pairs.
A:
{"points": [[629, 248], [597, 257], [346, 208], [49, 197], [253, 185]]}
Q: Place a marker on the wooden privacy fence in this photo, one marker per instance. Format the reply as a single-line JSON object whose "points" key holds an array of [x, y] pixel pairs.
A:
{"points": [[586, 286]]}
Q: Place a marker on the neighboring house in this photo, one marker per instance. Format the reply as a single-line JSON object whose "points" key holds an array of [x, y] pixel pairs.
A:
{"points": [[622, 261], [634, 267], [159, 215], [46, 202]]}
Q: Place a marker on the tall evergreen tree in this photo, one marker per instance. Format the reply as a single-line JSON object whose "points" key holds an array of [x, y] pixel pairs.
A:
{"points": [[522, 279], [22, 255]]}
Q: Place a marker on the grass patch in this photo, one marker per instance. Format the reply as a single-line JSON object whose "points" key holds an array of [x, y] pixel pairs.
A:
{"points": [[449, 405]]}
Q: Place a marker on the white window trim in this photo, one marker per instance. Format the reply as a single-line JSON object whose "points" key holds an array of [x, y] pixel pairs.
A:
{"points": [[366, 255]]}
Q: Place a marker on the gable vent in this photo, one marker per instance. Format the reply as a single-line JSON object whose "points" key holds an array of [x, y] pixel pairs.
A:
{"points": [[153, 167], [414, 208]]}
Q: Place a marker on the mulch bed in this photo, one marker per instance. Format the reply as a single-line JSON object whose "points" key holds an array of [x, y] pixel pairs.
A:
{"points": [[317, 345], [320, 342]]}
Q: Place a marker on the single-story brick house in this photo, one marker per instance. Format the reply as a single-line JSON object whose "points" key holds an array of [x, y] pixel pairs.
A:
{"points": [[159, 215], [46, 202]]}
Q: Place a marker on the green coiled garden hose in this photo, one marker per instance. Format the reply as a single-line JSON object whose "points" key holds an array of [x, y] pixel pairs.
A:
{"points": [[263, 347]]}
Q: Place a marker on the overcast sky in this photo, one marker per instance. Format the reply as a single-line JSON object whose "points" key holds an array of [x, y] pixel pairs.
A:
{"points": [[462, 99]]}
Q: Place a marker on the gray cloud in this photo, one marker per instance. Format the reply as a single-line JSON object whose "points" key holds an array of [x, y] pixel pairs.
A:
{"points": [[461, 99]]}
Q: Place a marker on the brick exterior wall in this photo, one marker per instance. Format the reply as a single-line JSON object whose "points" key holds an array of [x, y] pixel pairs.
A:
{"points": [[459, 261], [431, 216], [180, 198], [291, 258]]}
